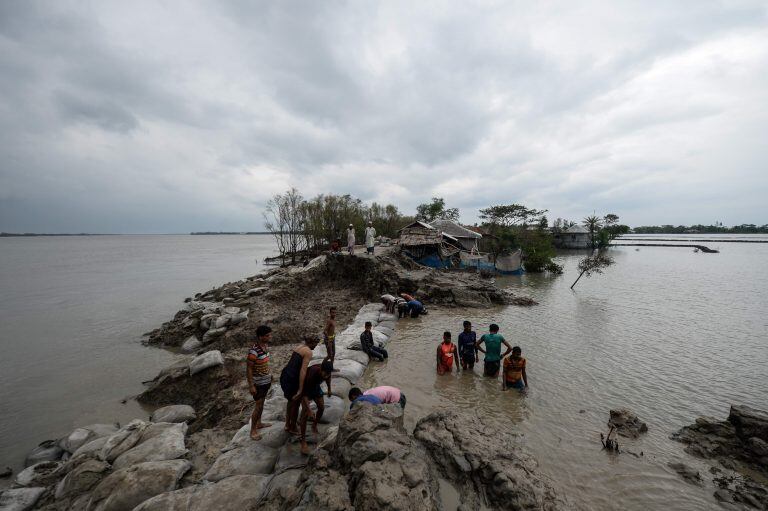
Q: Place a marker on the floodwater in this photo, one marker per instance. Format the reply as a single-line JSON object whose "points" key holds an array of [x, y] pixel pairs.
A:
{"points": [[669, 333], [73, 310]]}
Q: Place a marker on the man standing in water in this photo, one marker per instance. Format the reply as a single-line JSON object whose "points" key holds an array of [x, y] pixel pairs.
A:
{"points": [[312, 391], [514, 371], [370, 233], [258, 377], [292, 380], [468, 347], [351, 239], [446, 352], [492, 350]]}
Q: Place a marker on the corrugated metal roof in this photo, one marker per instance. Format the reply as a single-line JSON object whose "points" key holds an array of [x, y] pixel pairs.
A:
{"points": [[453, 229], [577, 229]]}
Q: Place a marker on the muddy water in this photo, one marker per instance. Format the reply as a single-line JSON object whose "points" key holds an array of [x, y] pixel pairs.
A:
{"points": [[666, 332]]}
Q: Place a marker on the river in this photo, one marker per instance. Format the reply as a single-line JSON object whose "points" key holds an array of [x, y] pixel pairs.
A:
{"points": [[669, 333], [666, 332], [73, 310]]}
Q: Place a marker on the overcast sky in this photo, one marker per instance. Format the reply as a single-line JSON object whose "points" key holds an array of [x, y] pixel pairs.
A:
{"points": [[160, 117]]}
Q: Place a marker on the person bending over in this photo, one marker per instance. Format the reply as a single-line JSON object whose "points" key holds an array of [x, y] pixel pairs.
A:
{"points": [[492, 350], [515, 376], [356, 396], [316, 374], [258, 377], [366, 342], [446, 352], [384, 393], [292, 380]]}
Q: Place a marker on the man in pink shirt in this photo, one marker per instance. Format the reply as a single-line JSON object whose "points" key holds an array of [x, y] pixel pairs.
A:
{"points": [[384, 393]]}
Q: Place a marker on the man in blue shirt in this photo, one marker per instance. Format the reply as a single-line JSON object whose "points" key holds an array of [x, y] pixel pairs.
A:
{"points": [[356, 396], [467, 347]]}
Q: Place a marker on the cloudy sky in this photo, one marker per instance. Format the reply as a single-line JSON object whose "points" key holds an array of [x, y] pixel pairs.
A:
{"points": [[159, 117]]}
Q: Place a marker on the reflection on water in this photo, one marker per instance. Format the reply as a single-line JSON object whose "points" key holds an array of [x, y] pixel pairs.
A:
{"points": [[666, 332]]}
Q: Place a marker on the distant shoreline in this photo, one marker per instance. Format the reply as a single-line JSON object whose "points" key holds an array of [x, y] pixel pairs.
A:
{"points": [[37, 235]]}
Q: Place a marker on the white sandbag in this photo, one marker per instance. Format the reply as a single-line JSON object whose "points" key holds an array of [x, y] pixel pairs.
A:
{"points": [[334, 409], [125, 439], [82, 478], [236, 492], [273, 436], [50, 450], [168, 445], [253, 459], [173, 413], [202, 362], [125, 489], [20, 499], [81, 436]]}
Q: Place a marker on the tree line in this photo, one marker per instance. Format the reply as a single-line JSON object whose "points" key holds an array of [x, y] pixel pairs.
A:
{"points": [[717, 228]]}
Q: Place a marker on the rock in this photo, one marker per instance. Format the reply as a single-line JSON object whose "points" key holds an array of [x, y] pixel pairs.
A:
{"points": [[749, 422], [127, 488], [191, 345], [227, 300], [274, 436], [204, 361], [81, 436], [6, 472], [20, 499], [626, 423], [173, 413], [758, 446], [39, 474], [238, 318], [253, 459], [50, 450], [168, 445], [686, 472], [82, 478], [509, 476], [236, 492], [124, 440]]}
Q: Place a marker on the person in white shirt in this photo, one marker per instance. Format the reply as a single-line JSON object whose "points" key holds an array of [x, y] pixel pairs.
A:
{"points": [[351, 239], [370, 233]]}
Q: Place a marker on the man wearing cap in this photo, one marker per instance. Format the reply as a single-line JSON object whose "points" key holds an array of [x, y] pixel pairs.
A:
{"points": [[370, 233]]}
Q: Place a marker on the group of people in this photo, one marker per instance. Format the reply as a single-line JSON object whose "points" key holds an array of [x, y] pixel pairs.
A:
{"points": [[511, 362], [404, 305], [370, 243]]}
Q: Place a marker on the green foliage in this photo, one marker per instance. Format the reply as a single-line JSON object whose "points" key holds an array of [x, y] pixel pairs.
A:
{"points": [[592, 264], [511, 214], [593, 224], [703, 229], [435, 210]]}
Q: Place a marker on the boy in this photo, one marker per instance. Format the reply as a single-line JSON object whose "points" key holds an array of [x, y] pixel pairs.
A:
{"points": [[367, 345], [293, 377], [467, 347], [446, 352], [514, 371], [316, 374], [329, 335], [258, 377], [492, 350]]}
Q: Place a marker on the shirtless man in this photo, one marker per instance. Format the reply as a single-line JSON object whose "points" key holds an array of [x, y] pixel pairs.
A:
{"points": [[329, 338], [312, 392], [292, 380]]}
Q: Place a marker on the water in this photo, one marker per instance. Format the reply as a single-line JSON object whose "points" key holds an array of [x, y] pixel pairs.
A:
{"points": [[666, 332], [73, 311]]}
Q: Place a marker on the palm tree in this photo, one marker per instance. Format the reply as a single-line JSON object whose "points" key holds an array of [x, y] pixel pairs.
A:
{"points": [[593, 223]]}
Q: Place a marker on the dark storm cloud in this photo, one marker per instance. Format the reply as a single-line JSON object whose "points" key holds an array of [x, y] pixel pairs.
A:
{"points": [[172, 117]]}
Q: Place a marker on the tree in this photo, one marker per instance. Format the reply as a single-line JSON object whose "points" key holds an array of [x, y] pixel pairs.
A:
{"points": [[593, 223], [610, 219], [284, 219], [508, 215], [435, 210], [593, 264]]}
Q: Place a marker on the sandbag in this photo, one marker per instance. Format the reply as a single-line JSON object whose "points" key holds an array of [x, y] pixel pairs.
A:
{"points": [[236, 492], [202, 362], [125, 439], [253, 459], [127, 488], [20, 499], [173, 413], [50, 450], [274, 436], [168, 445], [82, 478]]}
